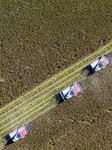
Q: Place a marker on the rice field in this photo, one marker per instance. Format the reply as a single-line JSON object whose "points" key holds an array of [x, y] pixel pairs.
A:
{"points": [[37, 105], [62, 76], [39, 40]]}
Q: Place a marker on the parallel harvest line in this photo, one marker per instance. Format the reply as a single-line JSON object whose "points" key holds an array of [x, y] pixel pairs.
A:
{"points": [[35, 104], [76, 67], [69, 82]]}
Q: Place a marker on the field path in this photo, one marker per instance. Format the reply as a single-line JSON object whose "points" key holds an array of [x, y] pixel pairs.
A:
{"points": [[41, 99]]}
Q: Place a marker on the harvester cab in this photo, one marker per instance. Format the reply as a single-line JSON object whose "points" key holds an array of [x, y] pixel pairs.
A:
{"points": [[99, 64], [17, 134], [69, 92]]}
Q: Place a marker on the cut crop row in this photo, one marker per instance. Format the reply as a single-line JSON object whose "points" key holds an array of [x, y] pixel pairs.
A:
{"points": [[27, 118], [38, 94], [24, 111], [35, 103], [76, 67], [55, 91]]}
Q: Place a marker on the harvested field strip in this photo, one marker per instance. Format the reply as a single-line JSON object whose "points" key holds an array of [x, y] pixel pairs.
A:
{"points": [[34, 105], [63, 86], [43, 97], [25, 115], [29, 117], [12, 111], [26, 110], [74, 68], [2, 142]]}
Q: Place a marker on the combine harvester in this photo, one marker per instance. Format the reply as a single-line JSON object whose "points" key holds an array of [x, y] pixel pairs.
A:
{"points": [[99, 64], [62, 96], [17, 134], [78, 86], [70, 92]]}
